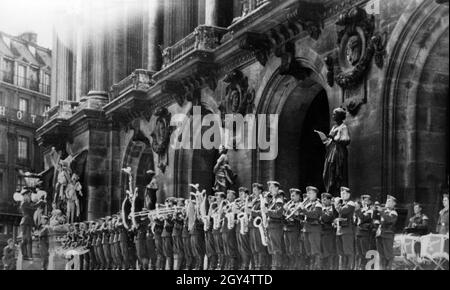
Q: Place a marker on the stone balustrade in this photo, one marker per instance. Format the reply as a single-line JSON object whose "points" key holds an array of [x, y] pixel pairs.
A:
{"points": [[204, 38], [64, 110], [140, 79]]}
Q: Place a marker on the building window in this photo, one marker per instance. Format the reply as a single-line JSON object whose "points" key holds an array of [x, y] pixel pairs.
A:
{"points": [[34, 79], [20, 183], [45, 84], [7, 71], [23, 105], [21, 76], [22, 148]]}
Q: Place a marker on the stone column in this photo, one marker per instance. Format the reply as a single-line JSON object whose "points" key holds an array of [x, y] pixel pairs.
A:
{"points": [[212, 12], [153, 34]]}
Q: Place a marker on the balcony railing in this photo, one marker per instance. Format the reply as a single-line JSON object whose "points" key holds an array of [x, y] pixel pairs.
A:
{"points": [[140, 79], [250, 5], [64, 110], [204, 38], [27, 83], [20, 116]]}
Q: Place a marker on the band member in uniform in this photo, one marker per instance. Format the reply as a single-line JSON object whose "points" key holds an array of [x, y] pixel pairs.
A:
{"points": [[44, 242], [217, 228], [229, 233], [275, 226], [150, 242], [120, 258], [197, 234], [242, 230], [157, 232], [312, 209], [345, 209], [442, 225], [9, 256], [90, 244], [99, 245], [85, 236], [328, 238], [177, 239], [364, 222], [141, 245], [186, 240], [259, 251], [209, 238], [112, 246], [418, 224], [385, 233], [123, 243], [167, 235], [105, 243], [291, 231]]}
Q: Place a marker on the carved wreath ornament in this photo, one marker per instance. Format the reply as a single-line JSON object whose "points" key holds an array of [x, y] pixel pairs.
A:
{"points": [[357, 46], [161, 133]]}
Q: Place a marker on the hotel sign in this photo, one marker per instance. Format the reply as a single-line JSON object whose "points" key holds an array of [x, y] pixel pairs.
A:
{"points": [[20, 116]]}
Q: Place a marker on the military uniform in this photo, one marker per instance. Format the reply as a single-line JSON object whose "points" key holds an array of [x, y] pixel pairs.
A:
{"points": [[209, 246], [385, 237], [178, 248], [363, 232], [106, 248], [442, 225], [198, 244], [90, 244], [328, 238], [99, 248], [275, 234], [292, 239], [151, 248], [187, 249], [160, 258], [123, 243], [418, 224], [345, 234], [167, 243], [141, 246], [312, 232], [230, 245], [9, 259], [243, 243], [218, 246], [259, 251]]}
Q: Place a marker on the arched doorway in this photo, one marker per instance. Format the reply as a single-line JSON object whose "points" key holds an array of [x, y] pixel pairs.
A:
{"points": [[302, 107], [301, 153]]}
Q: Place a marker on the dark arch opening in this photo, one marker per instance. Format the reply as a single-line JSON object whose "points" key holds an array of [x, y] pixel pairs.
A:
{"points": [[301, 153]]}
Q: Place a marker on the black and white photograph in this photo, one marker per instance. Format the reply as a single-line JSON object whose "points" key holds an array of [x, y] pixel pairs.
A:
{"points": [[247, 136]]}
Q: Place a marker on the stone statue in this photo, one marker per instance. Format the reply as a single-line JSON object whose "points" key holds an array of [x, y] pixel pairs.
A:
{"points": [[26, 224], [224, 177], [150, 191], [353, 49], [335, 171], [72, 192]]}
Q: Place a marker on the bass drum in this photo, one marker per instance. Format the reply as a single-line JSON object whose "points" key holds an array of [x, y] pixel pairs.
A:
{"points": [[128, 208]]}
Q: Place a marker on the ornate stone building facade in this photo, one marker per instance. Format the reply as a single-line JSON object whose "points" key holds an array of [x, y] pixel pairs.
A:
{"points": [[385, 61], [25, 72]]}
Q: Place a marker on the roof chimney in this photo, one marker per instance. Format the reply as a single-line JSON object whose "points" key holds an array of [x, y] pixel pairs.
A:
{"points": [[29, 37]]}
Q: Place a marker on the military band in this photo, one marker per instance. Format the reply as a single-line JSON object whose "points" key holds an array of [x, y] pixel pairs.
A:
{"points": [[241, 231]]}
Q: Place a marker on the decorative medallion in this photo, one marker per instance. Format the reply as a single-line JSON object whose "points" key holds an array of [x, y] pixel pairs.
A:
{"points": [[238, 97], [161, 133]]}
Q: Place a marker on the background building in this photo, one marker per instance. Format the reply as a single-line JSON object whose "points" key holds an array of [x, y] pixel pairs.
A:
{"points": [[126, 68], [25, 73]]}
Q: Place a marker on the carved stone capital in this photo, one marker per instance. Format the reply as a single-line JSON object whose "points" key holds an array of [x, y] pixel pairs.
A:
{"points": [[289, 65]]}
